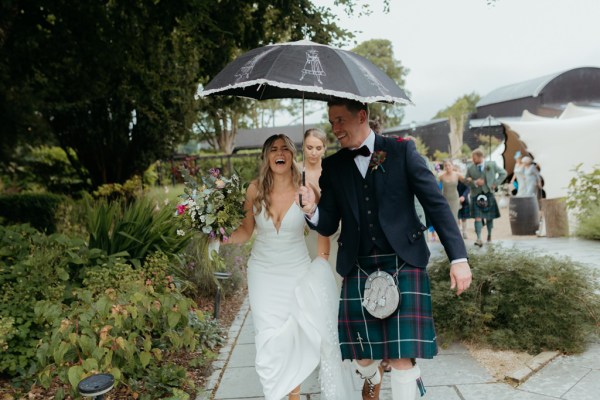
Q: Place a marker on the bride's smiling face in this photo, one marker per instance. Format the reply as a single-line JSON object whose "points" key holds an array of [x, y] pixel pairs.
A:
{"points": [[280, 157]]}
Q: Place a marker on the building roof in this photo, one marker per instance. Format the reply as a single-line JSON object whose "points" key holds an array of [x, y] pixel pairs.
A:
{"points": [[254, 138], [413, 125], [530, 88]]}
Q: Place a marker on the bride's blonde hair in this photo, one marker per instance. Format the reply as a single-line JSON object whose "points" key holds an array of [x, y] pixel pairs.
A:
{"points": [[265, 175]]}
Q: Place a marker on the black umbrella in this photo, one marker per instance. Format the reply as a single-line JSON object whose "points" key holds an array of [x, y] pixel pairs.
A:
{"points": [[307, 70]]}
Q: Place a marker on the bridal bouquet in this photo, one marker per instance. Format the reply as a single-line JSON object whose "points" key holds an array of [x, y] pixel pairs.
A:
{"points": [[214, 207]]}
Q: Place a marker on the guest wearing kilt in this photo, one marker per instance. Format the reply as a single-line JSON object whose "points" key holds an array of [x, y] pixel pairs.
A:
{"points": [[370, 186], [483, 178]]}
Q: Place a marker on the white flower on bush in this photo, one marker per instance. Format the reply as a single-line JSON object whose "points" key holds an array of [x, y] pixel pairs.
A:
{"points": [[180, 232]]}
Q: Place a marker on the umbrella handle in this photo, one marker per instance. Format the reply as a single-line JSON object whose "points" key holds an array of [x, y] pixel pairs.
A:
{"points": [[303, 184]]}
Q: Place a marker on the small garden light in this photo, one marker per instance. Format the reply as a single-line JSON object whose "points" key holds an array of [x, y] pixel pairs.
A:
{"points": [[96, 386]]}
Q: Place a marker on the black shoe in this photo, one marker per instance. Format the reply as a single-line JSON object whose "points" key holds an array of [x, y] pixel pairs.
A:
{"points": [[479, 243], [489, 238]]}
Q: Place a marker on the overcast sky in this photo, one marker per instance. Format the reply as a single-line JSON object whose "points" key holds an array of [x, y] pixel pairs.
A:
{"points": [[454, 47]]}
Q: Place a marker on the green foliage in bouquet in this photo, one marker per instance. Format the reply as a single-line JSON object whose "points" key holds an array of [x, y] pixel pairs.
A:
{"points": [[518, 301], [214, 208]]}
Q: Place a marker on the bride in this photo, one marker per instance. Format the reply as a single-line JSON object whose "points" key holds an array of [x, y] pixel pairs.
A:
{"points": [[293, 300]]}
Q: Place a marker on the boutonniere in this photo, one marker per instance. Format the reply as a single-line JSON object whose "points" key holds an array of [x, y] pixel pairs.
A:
{"points": [[377, 159]]}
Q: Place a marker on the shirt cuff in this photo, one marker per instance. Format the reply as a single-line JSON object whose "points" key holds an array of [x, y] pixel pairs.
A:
{"points": [[458, 260], [315, 217]]}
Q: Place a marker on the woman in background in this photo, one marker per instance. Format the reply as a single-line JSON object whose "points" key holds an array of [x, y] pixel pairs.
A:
{"points": [[532, 182], [518, 178], [314, 149], [449, 179]]}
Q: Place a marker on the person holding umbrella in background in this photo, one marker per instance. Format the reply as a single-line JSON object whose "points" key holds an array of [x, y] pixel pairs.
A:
{"points": [[370, 185]]}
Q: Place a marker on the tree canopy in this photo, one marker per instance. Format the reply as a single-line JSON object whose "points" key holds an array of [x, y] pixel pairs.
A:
{"points": [[115, 80], [464, 105], [381, 53]]}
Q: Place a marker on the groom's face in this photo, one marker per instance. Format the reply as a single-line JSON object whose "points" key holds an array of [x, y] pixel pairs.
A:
{"points": [[348, 127]]}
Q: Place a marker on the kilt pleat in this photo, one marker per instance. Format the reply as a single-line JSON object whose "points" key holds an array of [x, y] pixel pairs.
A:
{"points": [[408, 333]]}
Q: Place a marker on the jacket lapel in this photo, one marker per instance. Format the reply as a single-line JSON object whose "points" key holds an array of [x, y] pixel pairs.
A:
{"points": [[380, 177], [349, 183]]}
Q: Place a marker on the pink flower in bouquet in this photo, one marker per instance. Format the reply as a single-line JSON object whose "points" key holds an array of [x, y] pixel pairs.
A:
{"points": [[214, 172], [219, 183], [181, 209]]}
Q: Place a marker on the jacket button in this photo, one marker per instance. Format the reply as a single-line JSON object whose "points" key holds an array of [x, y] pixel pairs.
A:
{"points": [[414, 236], [420, 233]]}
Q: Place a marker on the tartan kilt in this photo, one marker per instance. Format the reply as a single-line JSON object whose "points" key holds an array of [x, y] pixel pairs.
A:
{"points": [[408, 333], [491, 212], [465, 211]]}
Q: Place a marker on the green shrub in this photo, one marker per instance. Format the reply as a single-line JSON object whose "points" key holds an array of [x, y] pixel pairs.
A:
{"points": [[128, 190], [33, 267], [67, 311], [136, 229], [37, 209], [584, 199], [589, 225], [518, 301], [201, 276], [45, 168], [131, 329]]}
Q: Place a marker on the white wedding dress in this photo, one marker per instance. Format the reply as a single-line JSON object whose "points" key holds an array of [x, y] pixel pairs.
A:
{"points": [[294, 304]]}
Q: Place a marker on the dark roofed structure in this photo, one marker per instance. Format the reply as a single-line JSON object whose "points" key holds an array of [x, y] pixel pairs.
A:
{"points": [[434, 133], [545, 96], [254, 138]]}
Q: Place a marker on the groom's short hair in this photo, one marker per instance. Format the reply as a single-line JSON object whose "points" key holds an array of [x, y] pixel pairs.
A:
{"points": [[352, 105]]}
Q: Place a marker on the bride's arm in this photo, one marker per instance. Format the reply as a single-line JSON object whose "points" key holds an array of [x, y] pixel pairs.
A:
{"points": [[323, 246], [244, 232]]}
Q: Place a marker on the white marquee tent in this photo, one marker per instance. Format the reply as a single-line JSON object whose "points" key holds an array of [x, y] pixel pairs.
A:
{"points": [[557, 144]]}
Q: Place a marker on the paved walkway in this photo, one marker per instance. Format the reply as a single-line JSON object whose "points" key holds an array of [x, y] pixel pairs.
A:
{"points": [[453, 375]]}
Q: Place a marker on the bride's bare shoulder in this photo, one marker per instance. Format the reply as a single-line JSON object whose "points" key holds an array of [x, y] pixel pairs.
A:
{"points": [[252, 189]]}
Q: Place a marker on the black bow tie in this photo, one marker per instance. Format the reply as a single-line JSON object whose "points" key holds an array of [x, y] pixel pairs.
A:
{"points": [[362, 151]]}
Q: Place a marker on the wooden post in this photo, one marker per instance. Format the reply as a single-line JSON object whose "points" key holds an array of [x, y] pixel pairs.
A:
{"points": [[555, 216]]}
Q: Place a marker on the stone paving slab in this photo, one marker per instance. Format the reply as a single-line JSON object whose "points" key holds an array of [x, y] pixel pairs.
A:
{"points": [[555, 379], [239, 383], [590, 358], [243, 356], [586, 389], [455, 369], [497, 391]]}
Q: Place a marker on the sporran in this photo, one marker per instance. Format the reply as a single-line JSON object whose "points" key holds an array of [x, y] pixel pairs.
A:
{"points": [[381, 296]]}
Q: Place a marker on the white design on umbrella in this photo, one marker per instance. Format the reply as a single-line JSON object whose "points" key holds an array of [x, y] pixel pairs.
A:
{"points": [[245, 71], [316, 69], [370, 77]]}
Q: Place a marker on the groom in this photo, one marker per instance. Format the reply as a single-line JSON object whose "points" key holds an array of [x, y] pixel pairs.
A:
{"points": [[370, 186]]}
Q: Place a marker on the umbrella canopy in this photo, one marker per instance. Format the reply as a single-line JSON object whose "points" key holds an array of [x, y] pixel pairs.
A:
{"points": [[307, 70]]}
